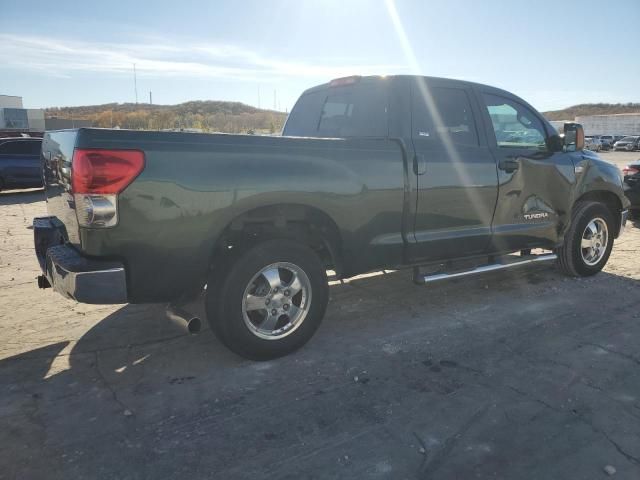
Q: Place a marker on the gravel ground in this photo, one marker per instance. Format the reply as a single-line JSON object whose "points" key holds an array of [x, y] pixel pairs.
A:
{"points": [[528, 374]]}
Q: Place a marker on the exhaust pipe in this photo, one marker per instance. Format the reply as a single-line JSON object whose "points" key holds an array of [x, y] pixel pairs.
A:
{"points": [[184, 319]]}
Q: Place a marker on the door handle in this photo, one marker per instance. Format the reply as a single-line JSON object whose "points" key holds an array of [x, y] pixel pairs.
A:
{"points": [[419, 164], [509, 165]]}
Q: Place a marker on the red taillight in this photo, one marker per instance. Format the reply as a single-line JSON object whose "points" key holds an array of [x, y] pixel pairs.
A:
{"points": [[104, 171], [630, 170]]}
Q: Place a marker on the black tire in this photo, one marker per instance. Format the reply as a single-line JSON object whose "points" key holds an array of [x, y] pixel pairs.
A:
{"points": [[226, 295], [570, 257]]}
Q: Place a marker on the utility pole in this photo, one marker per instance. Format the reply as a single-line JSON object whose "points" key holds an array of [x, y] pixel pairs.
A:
{"points": [[150, 98], [274, 99], [135, 82]]}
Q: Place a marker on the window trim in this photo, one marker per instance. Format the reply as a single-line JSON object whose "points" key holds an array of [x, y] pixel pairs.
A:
{"points": [[493, 139]]}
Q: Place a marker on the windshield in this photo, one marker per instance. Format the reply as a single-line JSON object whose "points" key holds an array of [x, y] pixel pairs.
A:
{"points": [[629, 139]]}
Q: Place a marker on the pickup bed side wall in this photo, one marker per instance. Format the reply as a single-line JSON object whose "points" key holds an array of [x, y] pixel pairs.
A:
{"points": [[193, 187]]}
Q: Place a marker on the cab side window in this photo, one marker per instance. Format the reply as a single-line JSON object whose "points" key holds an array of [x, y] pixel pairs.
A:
{"points": [[514, 125], [443, 113]]}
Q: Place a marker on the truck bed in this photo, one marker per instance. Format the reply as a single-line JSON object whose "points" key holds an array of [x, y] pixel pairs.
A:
{"points": [[194, 185]]}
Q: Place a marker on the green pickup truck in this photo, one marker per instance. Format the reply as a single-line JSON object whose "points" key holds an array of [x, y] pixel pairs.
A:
{"points": [[448, 177]]}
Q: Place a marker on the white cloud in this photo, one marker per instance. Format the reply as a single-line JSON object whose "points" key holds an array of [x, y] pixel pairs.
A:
{"points": [[59, 57]]}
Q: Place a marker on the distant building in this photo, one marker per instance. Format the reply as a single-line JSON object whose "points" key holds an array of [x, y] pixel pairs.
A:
{"points": [[35, 118], [617, 124], [10, 101], [614, 124], [14, 117]]}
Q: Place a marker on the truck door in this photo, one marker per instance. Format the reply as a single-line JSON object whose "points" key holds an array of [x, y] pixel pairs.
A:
{"points": [[534, 181], [455, 172]]}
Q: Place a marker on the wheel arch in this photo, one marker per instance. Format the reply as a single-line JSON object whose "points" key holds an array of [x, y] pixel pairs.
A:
{"points": [[607, 198], [294, 221]]}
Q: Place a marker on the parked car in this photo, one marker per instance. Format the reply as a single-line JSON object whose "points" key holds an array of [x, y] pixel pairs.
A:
{"points": [[592, 143], [607, 138], [628, 143], [632, 185], [20, 163], [606, 142], [371, 173]]}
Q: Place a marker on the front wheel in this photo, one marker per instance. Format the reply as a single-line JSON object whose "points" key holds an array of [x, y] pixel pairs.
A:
{"points": [[270, 301], [589, 240]]}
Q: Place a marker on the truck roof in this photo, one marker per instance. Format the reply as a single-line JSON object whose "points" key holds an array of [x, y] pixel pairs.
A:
{"points": [[367, 78]]}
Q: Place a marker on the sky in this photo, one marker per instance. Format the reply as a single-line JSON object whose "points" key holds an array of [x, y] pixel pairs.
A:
{"points": [[552, 53]]}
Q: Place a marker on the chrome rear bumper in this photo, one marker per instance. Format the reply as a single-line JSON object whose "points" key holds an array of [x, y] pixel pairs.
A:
{"points": [[74, 276]]}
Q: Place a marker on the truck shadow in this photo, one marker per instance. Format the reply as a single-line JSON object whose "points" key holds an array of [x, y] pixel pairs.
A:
{"points": [[13, 197], [134, 372]]}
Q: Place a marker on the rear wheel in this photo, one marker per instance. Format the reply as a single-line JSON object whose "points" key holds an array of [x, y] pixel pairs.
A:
{"points": [[589, 240], [270, 300]]}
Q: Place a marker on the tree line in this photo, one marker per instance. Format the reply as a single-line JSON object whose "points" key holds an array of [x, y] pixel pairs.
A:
{"points": [[592, 109], [212, 116]]}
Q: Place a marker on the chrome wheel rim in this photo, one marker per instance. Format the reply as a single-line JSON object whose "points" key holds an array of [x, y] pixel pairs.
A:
{"points": [[276, 301], [594, 241]]}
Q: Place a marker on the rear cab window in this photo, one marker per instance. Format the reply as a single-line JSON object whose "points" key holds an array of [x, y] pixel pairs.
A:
{"points": [[21, 147], [355, 110]]}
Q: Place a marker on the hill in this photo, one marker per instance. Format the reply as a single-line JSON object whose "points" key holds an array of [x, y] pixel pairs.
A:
{"points": [[592, 109], [215, 116]]}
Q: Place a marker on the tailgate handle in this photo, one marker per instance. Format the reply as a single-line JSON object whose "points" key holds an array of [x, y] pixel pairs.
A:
{"points": [[419, 164]]}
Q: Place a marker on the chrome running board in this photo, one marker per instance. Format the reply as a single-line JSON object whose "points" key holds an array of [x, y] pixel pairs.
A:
{"points": [[514, 261]]}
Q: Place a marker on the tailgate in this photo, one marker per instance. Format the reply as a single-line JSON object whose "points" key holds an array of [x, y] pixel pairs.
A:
{"points": [[57, 153]]}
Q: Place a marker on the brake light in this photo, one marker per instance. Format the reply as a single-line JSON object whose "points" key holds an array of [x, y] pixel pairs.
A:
{"points": [[630, 170], [97, 177], [338, 82], [104, 171]]}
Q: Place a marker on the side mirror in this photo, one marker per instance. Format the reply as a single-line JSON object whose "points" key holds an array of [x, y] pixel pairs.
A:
{"points": [[555, 143], [573, 137]]}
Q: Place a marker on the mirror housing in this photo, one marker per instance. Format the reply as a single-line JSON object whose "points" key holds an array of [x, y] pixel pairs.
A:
{"points": [[573, 137], [555, 143]]}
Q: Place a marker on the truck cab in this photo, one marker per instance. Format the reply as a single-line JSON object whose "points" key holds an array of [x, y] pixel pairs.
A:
{"points": [[487, 173]]}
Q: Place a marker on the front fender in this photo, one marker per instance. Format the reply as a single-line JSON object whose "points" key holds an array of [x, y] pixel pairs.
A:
{"points": [[593, 174]]}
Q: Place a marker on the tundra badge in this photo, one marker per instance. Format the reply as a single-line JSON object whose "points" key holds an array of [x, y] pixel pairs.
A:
{"points": [[534, 216]]}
